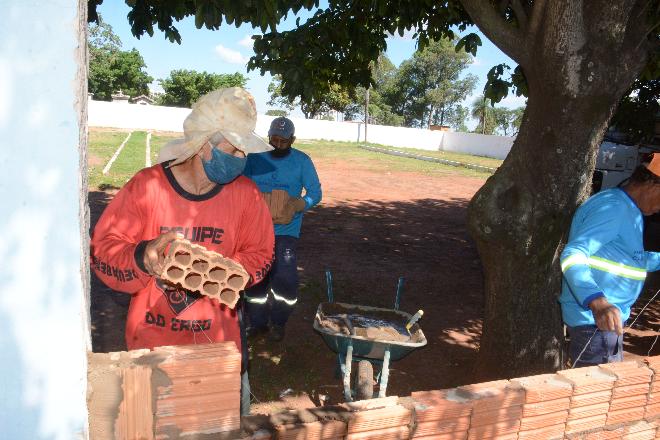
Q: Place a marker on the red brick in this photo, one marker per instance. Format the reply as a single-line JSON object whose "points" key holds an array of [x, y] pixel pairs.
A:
{"points": [[547, 433], [536, 422], [630, 390], [493, 395], [397, 433], [590, 399], [378, 419], [628, 402], [325, 430], [488, 431], [459, 435], [543, 387], [624, 415], [495, 416], [585, 424], [440, 404], [588, 411], [588, 379], [605, 434], [442, 426], [550, 406]]}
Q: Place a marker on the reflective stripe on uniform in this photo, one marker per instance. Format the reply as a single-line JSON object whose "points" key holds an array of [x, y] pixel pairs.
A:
{"points": [[256, 300], [604, 265], [288, 302]]}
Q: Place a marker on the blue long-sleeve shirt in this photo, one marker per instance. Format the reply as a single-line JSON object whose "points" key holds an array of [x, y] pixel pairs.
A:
{"points": [[293, 173], [604, 256]]}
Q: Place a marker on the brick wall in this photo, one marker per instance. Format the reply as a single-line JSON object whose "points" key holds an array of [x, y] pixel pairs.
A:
{"points": [[184, 392]]}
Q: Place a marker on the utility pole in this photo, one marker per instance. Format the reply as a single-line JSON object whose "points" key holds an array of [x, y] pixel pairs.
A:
{"points": [[366, 114]]}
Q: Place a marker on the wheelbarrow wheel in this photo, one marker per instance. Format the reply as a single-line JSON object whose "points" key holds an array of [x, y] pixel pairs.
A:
{"points": [[364, 381]]}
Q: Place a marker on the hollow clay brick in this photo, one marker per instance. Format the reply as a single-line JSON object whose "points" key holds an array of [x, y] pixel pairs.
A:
{"points": [[628, 373], [444, 426], [195, 268], [630, 390], [496, 429], [542, 421], [553, 432], [494, 395], [380, 402], [378, 419], [458, 435], [395, 433], [588, 379], [135, 419], [543, 387], [588, 399], [628, 402], [276, 201], [652, 411], [495, 416], [440, 404], [588, 411], [549, 406], [605, 434], [585, 424], [321, 430], [624, 415]]}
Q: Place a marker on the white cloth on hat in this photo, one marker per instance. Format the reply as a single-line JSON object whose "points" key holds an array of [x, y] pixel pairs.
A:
{"points": [[230, 112]]}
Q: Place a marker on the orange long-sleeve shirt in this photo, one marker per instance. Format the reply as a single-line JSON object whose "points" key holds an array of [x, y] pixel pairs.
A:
{"points": [[231, 219]]}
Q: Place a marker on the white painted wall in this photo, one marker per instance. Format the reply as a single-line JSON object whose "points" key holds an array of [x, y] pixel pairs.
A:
{"points": [[43, 309], [108, 114], [477, 144]]}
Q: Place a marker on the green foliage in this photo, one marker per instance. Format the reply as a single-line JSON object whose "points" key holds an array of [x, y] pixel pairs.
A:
{"points": [[111, 69], [497, 88], [183, 87], [274, 112], [638, 111], [508, 121], [484, 112], [336, 98], [428, 88]]}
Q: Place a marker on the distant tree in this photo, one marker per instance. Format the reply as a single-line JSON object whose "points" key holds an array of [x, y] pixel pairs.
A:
{"points": [[275, 112], [505, 119], [456, 118], [183, 87], [484, 112], [428, 87], [336, 98], [111, 69]]}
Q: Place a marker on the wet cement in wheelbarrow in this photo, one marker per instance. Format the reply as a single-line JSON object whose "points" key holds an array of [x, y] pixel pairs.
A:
{"points": [[374, 325]]}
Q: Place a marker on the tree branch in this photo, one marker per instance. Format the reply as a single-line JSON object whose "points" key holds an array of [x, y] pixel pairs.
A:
{"points": [[505, 36], [535, 21]]}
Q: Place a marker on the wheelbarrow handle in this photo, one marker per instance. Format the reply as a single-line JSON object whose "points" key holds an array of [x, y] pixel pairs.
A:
{"points": [[328, 282]]}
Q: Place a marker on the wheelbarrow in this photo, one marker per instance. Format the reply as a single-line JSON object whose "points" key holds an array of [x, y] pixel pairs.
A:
{"points": [[353, 343]]}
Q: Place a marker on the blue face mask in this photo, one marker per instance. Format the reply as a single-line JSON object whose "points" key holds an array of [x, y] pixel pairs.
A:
{"points": [[223, 167]]}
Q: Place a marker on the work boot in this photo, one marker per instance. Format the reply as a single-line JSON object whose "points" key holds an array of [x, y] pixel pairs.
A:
{"points": [[276, 333], [253, 332]]}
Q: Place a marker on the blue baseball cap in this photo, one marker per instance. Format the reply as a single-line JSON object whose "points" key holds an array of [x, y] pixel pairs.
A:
{"points": [[282, 127]]}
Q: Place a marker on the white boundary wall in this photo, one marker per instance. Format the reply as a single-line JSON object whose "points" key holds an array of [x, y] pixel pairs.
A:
{"points": [[148, 117]]}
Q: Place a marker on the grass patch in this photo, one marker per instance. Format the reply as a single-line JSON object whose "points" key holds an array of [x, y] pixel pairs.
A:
{"points": [[102, 145], [387, 163], [158, 141]]}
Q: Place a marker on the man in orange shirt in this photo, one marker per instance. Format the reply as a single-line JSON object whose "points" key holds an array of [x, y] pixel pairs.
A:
{"points": [[197, 192]]}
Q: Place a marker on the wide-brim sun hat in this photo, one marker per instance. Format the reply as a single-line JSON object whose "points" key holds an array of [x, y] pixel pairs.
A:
{"points": [[231, 112]]}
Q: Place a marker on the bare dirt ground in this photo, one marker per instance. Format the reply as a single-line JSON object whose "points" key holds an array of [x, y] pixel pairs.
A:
{"points": [[370, 229]]}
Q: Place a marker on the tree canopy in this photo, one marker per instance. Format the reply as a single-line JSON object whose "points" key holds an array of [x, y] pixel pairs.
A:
{"points": [[112, 69], [183, 87]]}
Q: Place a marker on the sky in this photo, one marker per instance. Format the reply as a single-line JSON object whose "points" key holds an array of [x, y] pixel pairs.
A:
{"points": [[228, 49]]}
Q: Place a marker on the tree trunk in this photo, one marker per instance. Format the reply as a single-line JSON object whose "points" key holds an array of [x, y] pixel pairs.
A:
{"points": [[519, 218]]}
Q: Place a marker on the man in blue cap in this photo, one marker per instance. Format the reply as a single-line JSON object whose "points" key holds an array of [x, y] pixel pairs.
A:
{"points": [[281, 174]]}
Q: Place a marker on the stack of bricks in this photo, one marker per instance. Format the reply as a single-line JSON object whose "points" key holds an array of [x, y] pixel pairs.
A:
{"points": [[590, 402], [652, 409], [545, 411], [166, 393], [442, 414], [382, 419], [630, 391], [497, 409]]}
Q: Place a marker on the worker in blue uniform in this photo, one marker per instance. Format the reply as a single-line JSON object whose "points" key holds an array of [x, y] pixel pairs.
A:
{"points": [[284, 168], [604, 265]]}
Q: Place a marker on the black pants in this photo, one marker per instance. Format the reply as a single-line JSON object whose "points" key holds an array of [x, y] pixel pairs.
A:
{"points": [[281, 282]]}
